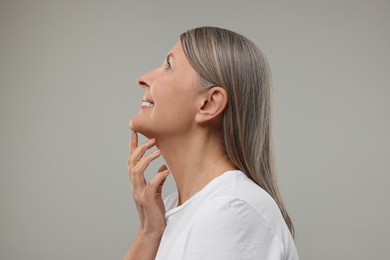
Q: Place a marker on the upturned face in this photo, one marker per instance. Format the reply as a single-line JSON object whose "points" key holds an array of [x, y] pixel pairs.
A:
{"points": [[169, 104]]}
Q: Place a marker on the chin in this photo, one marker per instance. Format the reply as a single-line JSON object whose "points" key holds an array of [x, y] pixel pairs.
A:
{"points": [[138, 127]]}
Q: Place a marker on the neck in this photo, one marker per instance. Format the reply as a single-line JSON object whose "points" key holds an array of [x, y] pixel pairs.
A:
{"points": [[194, 160]]}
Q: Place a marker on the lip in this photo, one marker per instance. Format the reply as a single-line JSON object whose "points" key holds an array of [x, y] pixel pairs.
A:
{"points": [[149, 103], [147, 99]]}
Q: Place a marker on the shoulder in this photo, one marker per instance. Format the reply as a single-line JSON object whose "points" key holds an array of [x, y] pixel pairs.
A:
{"points": [[236, 191], [235, 215], [239, 213], [257, 199], [236, 202], [230, 228], [232, 218], [228, 193]]}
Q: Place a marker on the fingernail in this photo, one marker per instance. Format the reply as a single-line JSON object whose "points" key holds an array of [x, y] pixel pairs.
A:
{"points": [[157, 151]]}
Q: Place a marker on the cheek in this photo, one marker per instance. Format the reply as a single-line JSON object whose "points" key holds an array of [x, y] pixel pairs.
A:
{"points": [[178, 112]]}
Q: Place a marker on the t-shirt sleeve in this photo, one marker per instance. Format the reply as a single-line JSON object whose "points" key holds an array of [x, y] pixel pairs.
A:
{"points": [[227, 229]]}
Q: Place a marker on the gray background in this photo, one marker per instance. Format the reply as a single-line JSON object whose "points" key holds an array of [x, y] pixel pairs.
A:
{"points": [[68, 74]]}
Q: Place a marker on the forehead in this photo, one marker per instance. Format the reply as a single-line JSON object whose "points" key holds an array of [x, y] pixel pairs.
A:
{"points": [[178, 57], [177, 50], [181, 64], [177, 46]]}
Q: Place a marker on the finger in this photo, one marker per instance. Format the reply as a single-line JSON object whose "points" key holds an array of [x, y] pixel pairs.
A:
{"points": [[137, 174], [158, 180], [141, 149], [141, 166], [138, 152], [133, 141], [163, 168]]}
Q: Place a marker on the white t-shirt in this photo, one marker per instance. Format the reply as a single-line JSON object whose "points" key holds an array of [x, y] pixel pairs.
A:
{"points": [[230, 218]]}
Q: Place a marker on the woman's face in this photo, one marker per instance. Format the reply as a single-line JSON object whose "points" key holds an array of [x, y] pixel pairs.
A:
{"points": [[171, 98]]}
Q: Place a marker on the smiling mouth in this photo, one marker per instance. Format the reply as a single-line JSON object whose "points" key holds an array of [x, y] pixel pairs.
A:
{"points": [[146, 103]]}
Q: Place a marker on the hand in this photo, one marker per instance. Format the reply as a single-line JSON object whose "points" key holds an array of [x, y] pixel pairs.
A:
{"points": [[147, 195]]}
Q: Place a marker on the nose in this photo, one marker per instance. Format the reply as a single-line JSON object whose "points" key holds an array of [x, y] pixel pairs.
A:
{"points": [[145, 79], [141, 81]]}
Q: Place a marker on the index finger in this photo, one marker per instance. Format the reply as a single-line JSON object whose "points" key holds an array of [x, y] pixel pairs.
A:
{"points": [[133, 141]]}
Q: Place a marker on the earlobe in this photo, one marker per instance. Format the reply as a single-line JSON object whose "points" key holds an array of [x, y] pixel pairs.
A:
{"points": [[214, 102]]}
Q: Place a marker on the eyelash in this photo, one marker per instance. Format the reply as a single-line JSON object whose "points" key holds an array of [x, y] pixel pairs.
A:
{"points": [[168, 64]]}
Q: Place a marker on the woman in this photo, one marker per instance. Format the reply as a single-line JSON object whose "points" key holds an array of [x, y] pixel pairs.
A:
{"points": [[207, 109]]}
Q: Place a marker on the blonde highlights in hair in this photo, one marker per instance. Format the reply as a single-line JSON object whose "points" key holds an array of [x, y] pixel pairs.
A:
{"points": [[229, 60]]}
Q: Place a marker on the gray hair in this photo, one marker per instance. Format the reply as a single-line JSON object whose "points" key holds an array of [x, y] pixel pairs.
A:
{"points": [[229, 60]]}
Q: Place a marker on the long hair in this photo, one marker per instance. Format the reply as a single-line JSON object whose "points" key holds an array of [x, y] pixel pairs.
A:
{"points": [[229, 60]]}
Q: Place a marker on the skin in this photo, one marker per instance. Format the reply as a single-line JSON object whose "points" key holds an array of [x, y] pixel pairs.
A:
{"points": [[184, 126]]}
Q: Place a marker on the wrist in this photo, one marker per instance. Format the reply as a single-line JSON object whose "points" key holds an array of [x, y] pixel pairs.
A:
{"points": [[145, 245], [151, 234]]}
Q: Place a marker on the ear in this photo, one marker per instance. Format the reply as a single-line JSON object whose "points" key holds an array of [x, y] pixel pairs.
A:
{"points": [[213, 103]]}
